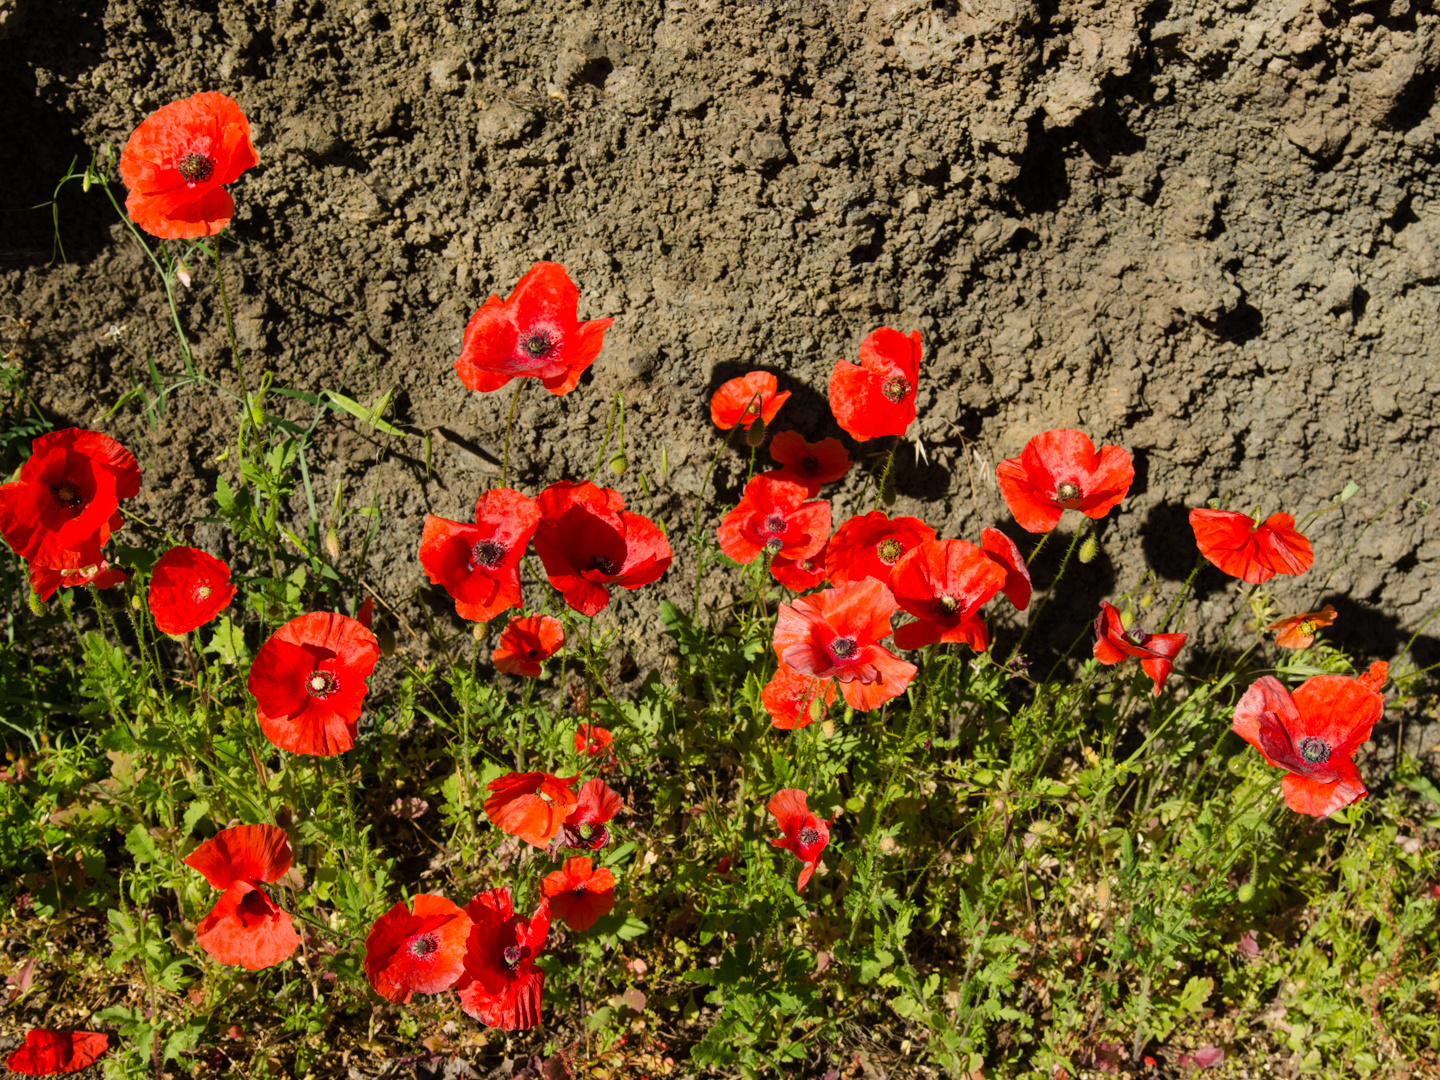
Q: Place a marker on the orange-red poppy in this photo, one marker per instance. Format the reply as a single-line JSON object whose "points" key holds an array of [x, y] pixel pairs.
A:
{"points": [[502, 987], [479, 564], [417, 951], [869, 545], [756, 396], [800, 575], [309, 682], [526, 643], [592, 739], [585, 827], [51, 1053], [579, 893], [45, 580], [531, 805], [773, 515], [1060, 470], [587, 541], [245, 926], [1115, 644], [805, 834], [790, 697], [1298, 631], [807, 463], [877, 397], [1007, 556], [1254, 553], [943, 583], [188, 588]]}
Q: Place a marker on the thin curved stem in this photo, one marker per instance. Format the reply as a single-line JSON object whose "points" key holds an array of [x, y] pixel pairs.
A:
{"points": [[510, 426]]}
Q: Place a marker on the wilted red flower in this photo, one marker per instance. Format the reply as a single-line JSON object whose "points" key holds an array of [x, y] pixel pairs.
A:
{"points": [[309, 682], [869, 545], [1007, 556], [579, 893], [799, 575], [747, 399], [535, 333], [807, 463], [592, 739], [877, 398], [420, 951], [46, 581], [530, 805], [1233, 542], [176, 161], [188, 588], [502, 986], [245, 927], [805, 834], [588, 541], [790, 698], [479, 565], [943, 583], [1298, 631], [1115, 644], [1313, 734], [773, 516], [1059, 470], [835, 633], [47, 1053], [526, 643], [584, 828]]}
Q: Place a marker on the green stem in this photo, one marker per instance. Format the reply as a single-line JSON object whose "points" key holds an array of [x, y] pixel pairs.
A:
{"points": [[1035, 615], [509, 427], [1182, 597], [230, 324], [618, 403]]}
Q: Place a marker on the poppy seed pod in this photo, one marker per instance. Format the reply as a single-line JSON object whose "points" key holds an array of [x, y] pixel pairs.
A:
{"points": [[1246, 892], [1089, 548], [332, 544], [37, 606], [618, 464], [755, 434]]}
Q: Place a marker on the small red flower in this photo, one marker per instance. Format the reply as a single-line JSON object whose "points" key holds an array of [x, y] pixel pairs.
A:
{"points": [[530, 805], [800, 575], [526, 643], [877, 398], [479, 565], [747, 399], [420, 951], [773, 516], [1234, 543], [1060, 470], [579, 894], [1114, 644], [1313, 734], [807, 463], [535, 333], [176, 162], [1298, 631], [805, 834], [309, 682], [501, 986], [584, 828], [943, 583], [588, 541], [592, 739], [48, 1053], [790, 698], [869, 545], [245, 927], [45, 581], [188, 588], [1007, 556]]}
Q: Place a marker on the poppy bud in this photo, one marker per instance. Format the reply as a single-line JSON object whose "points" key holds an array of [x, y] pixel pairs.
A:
{"points": [[332, 544], [188, 532], [182, 274], [136, 603], [1089, 548], [85, 180], [1246, 892], [257, 412], [386, 637], [478, 631], [37, 606], [755, 434], [618, 464], [887, 491]]}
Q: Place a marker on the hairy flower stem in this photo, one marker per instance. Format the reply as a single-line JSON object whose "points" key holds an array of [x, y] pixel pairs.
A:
{"points": [[1035, 615], [885, 472], [1219, 654], [1177, 606], [618, 403], [509, 427]]}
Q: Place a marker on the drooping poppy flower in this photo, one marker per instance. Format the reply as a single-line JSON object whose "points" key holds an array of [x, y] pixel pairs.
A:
{"points": [[588, 541], [756, 396], [1233, 542], [807, 463], [309, 682], [534, 333], [501, 986], [1059, 470], [943, 583], [1313, 734], [773, 516], [793, 698], [584, 828], [245, 927], [46, 581], [869, 545], [800, 575], [805, 834], [835, 634], [592, 739], [1298, 631], [176, 162], [579, 893], [63, 508], [1114, 644], [877, 397], [420, 951], [526, 643], [479, 565], [1006, 555], [188, 588], [51, 1053], [530, 805]]}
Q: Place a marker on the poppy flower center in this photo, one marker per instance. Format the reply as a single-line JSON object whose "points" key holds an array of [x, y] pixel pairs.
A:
{"points": [[895, 388], [531, 652], [809, 835], [537, 344], [775, 524], [195, 167], [602, 563], [890, 551], [1068, 491], [1308, 626], [586, 831], [1137, 636], [321, 684], [514, 954], [809, 465], [946, 605], [423, 945], [843, 647], [1315, 751], [202, 592], [487, 553], [67, 495]]}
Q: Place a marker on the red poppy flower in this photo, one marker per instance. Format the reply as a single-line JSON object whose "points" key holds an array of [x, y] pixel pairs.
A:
{"points": [[47, 1053], [810, 464], [479, 564], [526, 643], [1312, 735], [46, 581], [1007, 556], [869, 545], [1060, 470], [805, 834], [502, 986], [592, 739], [420, 951], [62, 510], [1298, 631], [584, 828], [309, 682], [1114, 644], [877, 398], [943, 583], [800, 575], [834, 634], [530, 805], [1252, 553], [747, 399], [790, 696], [176, 161], [534, 333], [188, 588], [579, 894], [773, 516], [588, 541], [245, 926]]}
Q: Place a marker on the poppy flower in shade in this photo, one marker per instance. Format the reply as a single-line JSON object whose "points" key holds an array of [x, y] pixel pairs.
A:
{"points": [[592, 739], [1298, 631], [835, 633], [245, 927], [49, 1053], [807, 463], [877, 398], [534, 333], [869, 545], [1234, 543], [63, 508], [800, 575], [530, 805], [584, 828], [1007, 556], [188, 588], [579, 894], [790, 697], [588, 541], [1114, 644], [805, 834], [526, 643], [773, 516], [943, 583], [1060, 470], [309, 682], [176, 162], [420, 951], [1312, 734], [46, 581], [501, 986], [479, 565], [751, 397]]}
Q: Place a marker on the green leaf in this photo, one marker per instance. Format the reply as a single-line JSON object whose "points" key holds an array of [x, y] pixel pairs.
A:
{"points": [[193, 813], [1424, 786], [139, 844], [1196, 993], [370, 416], [228, 643]]}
